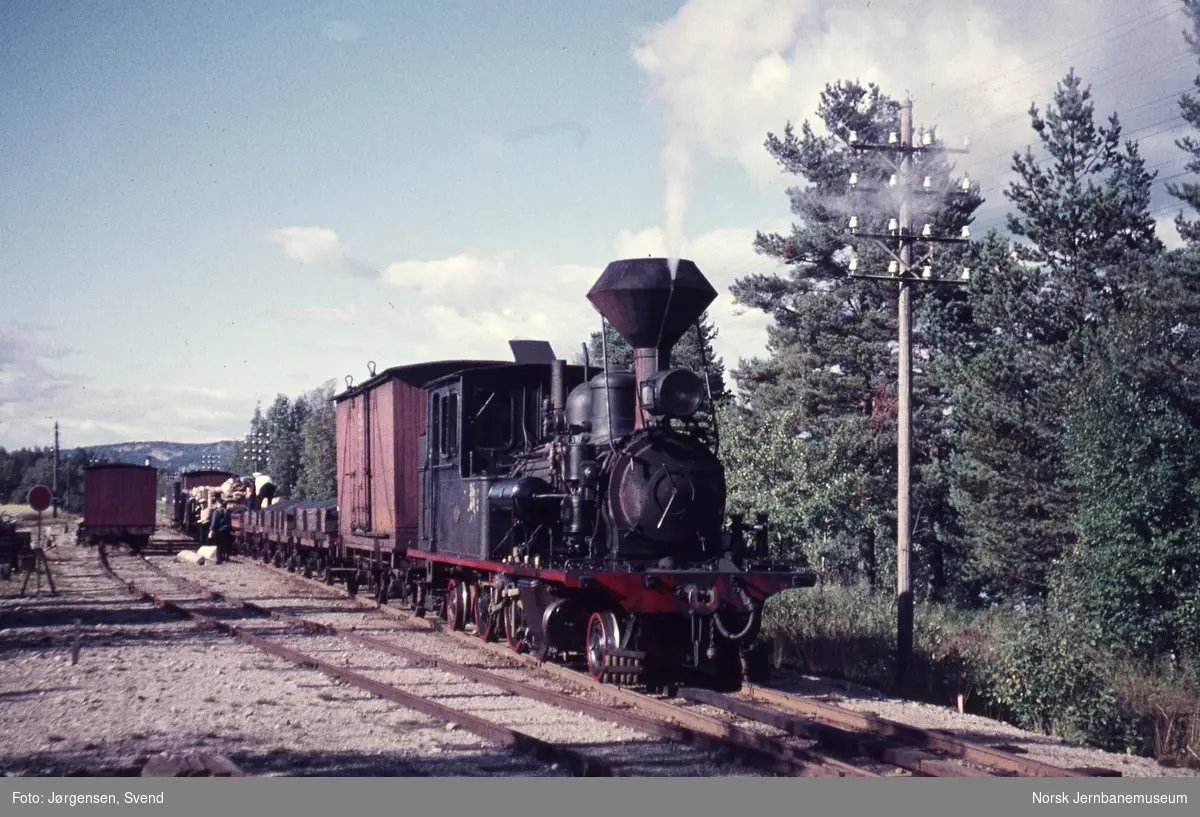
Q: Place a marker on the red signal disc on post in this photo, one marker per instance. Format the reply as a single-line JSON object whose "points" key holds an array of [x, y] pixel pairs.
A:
{"points": [[40, 497]]}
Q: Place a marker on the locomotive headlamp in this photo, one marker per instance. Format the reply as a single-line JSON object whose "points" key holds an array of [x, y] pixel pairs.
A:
{"points": [[674, 393]]}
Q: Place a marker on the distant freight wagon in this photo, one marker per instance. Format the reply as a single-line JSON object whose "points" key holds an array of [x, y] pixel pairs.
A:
{"points": [[118, 504]]}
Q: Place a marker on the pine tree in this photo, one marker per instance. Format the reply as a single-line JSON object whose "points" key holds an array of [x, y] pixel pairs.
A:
{"points": [[829, 379], [1189, 109], [1087, 210]]}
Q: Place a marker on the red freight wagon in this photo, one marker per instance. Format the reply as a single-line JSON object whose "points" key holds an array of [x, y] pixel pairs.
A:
{"points": [[379, 423], [119, 501]]}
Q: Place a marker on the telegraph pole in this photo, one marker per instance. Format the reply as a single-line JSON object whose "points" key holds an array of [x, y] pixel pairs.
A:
{"points": [[898, 242], [55, 469], [904, 599]]}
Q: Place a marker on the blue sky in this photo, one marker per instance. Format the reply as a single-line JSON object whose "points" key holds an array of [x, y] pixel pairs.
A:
{"points": [[207, 204]]}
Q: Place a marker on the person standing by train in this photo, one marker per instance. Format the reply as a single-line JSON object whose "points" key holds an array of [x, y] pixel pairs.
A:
{"points": [[221, 531]]}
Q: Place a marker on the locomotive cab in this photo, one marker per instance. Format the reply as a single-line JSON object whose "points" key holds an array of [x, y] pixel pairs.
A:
{"points": [[484, 491]]}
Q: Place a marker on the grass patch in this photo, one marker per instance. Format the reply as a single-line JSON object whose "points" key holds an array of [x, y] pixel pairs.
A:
{"points": [[1033, 670], [26, 518]]}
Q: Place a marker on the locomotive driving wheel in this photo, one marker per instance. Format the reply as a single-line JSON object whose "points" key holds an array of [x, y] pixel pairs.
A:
{"points": [[514, 625], [456, 607], [485, 621], [603, 637]]}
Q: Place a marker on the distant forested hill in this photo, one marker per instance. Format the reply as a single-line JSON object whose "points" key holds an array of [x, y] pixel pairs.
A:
{"points": [[166, 456]]}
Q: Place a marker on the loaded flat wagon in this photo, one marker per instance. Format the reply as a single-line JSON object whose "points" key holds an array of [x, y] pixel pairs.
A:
{"points": [[193, 516], [119, 504]]}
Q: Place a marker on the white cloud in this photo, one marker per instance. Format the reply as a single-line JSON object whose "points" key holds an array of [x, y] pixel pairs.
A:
{"points": [[460, 271], [318, 247], [725, 74], [308, 245], [471, 305]]}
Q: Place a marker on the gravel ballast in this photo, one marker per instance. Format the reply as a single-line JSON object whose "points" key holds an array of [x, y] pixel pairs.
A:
{"points": [[148, 681]]}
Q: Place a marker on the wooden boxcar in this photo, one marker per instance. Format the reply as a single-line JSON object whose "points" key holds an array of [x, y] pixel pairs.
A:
{"points": [[379, 423], [119, 504]]}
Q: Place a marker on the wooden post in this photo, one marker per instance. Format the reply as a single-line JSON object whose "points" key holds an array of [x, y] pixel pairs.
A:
{"points": [[904, 599]]}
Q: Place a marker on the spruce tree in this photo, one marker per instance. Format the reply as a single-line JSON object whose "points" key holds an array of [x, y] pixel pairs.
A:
{"points": [[1010, 493], [1083, 215], [318, 445], [1134, 446], [283, 439]]}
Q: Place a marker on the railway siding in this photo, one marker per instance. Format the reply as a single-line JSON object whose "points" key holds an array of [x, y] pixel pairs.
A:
{"points": [[147, 682], [618, 746]]}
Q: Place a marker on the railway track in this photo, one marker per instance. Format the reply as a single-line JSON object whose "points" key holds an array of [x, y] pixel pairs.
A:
{"points": [[868, 744], [769, 754]]}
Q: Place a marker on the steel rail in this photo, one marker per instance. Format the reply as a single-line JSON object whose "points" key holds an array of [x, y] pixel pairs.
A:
{"points": [[914, 759], [581, 765], [761, 751], [956, 747]]}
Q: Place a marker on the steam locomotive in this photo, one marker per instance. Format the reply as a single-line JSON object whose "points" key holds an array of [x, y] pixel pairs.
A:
{"points": [[576, 516]]}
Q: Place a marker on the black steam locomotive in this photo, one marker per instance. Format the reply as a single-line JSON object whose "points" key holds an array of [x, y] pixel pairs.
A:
{"points": [[572, 515]]}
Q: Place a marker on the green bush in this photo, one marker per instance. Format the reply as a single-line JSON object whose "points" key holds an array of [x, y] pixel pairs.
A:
{"points": [[1050, 674], [1041, 670]]}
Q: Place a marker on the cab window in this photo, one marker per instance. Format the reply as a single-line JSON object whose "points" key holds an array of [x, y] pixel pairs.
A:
{"points": [[449, 431], [492, 422]]}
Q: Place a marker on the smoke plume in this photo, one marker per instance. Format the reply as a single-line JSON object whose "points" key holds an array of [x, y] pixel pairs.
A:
{"points": [[677, 171]]}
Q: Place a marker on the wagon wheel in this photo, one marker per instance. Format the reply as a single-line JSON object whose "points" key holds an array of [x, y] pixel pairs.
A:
{"points": [[514, 624], [603, 636], [455, 609], [485, 621]]}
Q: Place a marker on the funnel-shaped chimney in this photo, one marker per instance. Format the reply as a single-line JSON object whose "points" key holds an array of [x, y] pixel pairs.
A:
{"points": [[639, 299], [636, 297]]}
